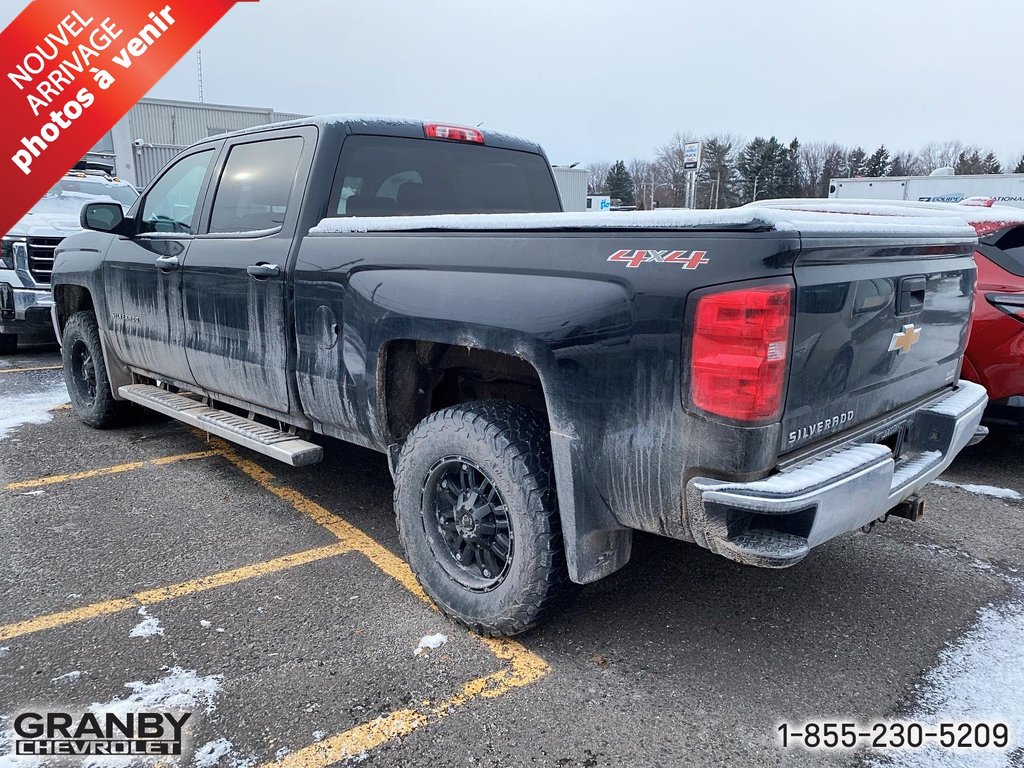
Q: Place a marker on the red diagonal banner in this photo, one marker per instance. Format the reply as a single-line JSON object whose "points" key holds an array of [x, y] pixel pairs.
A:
{"points": [[70, 69]]}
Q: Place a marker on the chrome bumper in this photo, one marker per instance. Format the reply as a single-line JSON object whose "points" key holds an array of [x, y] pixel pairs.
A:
{"points": [[26, 312], [776, 521]]}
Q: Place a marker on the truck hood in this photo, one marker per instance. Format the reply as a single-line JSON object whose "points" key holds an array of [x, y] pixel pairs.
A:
{"points": [[46, 225]]}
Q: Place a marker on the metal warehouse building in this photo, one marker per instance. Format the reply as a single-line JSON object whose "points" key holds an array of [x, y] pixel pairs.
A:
{"points": [[155, 130]]}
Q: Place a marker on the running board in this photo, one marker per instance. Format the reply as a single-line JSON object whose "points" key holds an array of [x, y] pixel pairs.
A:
{"points": [[257, 437]]}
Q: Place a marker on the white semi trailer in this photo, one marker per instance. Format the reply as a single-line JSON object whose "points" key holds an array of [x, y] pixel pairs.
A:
{"points": [[1002, 188]]}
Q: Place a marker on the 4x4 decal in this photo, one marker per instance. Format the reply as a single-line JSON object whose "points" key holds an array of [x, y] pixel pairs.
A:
{"points": [[686, 259]]}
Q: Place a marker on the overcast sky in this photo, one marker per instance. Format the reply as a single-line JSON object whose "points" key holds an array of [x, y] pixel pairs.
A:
{"points": [[600, 79]]}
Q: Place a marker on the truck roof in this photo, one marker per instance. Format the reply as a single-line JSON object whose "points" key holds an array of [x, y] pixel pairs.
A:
{"points": [[748, 218], [384, 125]]}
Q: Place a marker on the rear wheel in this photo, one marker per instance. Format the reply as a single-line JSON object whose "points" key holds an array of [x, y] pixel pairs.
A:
{"points": [[85, 373], [475, 503], [8, 343]]}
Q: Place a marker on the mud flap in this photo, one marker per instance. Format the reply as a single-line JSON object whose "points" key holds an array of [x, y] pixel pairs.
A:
{"points": [[596, 545]]}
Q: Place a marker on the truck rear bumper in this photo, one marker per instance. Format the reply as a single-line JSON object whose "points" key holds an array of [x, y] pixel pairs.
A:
{"points": [[26, 312], [776, 521]]}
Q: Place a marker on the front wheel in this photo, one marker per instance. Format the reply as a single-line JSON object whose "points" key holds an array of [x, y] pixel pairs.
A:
{"points": [[477, 516], [85, 373], [8, 343]]}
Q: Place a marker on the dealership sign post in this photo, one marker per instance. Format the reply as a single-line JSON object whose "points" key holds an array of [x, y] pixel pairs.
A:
{"points": [[70, 69], [691, 164]]}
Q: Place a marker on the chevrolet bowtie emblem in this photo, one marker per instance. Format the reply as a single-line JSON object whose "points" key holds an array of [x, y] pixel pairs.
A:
{"points": [[903, 340]]}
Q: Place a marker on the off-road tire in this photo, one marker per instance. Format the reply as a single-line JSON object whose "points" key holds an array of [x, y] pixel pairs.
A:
{"points": [[82, 336], [511, 445], [8, 343]]}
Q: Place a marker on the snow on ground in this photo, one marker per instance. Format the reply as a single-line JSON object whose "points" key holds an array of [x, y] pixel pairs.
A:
{"points": [[68, 677], [30, 408], [213, 753], [984, 490], [980, 676], [149, 626], [430, 642], [4, 651], [179, 690]]}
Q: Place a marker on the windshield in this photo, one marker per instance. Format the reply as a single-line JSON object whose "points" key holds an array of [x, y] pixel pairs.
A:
{"points": [[68, 195]]}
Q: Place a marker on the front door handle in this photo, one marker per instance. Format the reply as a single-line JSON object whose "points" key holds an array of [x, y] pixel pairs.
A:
{"points": [[262, 270], [168, 262]]}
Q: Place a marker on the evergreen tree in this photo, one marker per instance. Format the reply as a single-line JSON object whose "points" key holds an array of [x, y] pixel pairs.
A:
{"points": [[905, 164], [716, 180], [1020, 166], [969, 163], [879, 164], [856, 160], [620, 184], [990, 164], [767, 170]]}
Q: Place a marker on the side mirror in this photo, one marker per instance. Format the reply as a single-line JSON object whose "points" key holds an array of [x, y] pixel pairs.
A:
{"points": [[102, 217]]}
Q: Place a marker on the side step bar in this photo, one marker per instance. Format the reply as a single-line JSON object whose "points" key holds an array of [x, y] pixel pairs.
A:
{"points": [[257, 437]]}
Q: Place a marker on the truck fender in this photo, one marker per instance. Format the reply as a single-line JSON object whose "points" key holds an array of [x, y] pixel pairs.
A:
{"points": [[536, 318]]}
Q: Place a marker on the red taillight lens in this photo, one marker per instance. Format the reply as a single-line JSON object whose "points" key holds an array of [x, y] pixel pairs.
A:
{"points": [[739, 353], [452, 133]]}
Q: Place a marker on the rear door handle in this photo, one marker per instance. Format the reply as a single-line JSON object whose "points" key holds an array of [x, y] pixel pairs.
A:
{"points": [[263, 270], [168, 262]]}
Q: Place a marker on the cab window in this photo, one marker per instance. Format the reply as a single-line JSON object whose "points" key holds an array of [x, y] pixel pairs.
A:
{"points": [[170, 205]]}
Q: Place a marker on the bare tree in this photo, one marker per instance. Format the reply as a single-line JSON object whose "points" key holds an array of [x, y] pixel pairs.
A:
{"points": [[643, 173], [597, 176], [939, 154], [670, 162], [816, 162]]}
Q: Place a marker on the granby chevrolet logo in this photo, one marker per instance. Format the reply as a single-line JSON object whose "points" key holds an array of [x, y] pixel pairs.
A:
{"points": [[903, 340], [685, 259]]}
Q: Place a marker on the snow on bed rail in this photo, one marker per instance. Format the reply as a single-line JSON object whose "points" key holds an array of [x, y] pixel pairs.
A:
{"points": [[900, 208], [940, 226]]}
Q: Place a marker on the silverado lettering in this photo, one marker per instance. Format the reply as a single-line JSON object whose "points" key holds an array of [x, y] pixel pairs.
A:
{"points": [[330, 278], [822, 427]]}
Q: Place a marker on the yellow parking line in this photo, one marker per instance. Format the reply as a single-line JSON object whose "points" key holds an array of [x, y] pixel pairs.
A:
{"points": [[523, 667], [162, 594], [114, 470], [28, 370], [358, 541]]}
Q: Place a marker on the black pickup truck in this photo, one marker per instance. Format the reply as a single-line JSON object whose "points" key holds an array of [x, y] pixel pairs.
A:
{"points": [[756, 381]]}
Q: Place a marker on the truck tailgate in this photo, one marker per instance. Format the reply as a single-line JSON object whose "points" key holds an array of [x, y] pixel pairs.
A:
{"points": [[877, 327]]}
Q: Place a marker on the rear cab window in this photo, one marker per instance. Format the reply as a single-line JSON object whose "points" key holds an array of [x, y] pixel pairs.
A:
{"points": [[390, 176], [1006, 249]]}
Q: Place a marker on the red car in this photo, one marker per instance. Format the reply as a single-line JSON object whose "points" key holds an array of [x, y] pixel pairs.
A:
{"points": [[995, 350]]}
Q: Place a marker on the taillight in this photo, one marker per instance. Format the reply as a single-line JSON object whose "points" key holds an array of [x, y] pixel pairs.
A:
{"points": [[452, 133], [1010, 303], [739, 353]]}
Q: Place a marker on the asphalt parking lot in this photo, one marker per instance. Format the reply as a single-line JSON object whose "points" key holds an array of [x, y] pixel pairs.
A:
{"points": [[154, 566]]}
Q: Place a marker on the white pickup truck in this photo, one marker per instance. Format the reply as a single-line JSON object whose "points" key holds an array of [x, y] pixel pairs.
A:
{"points": [[26, 256]]}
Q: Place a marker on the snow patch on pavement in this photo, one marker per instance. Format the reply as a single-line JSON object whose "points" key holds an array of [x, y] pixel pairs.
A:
{"points": [[212, 753], [430, 642], [30, 408], [4, 651], [149, 626], [979, 677], [68, 677], [983, 490]]}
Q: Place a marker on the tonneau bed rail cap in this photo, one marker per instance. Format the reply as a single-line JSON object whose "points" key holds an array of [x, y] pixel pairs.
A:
{"points": [[940, 227]]}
